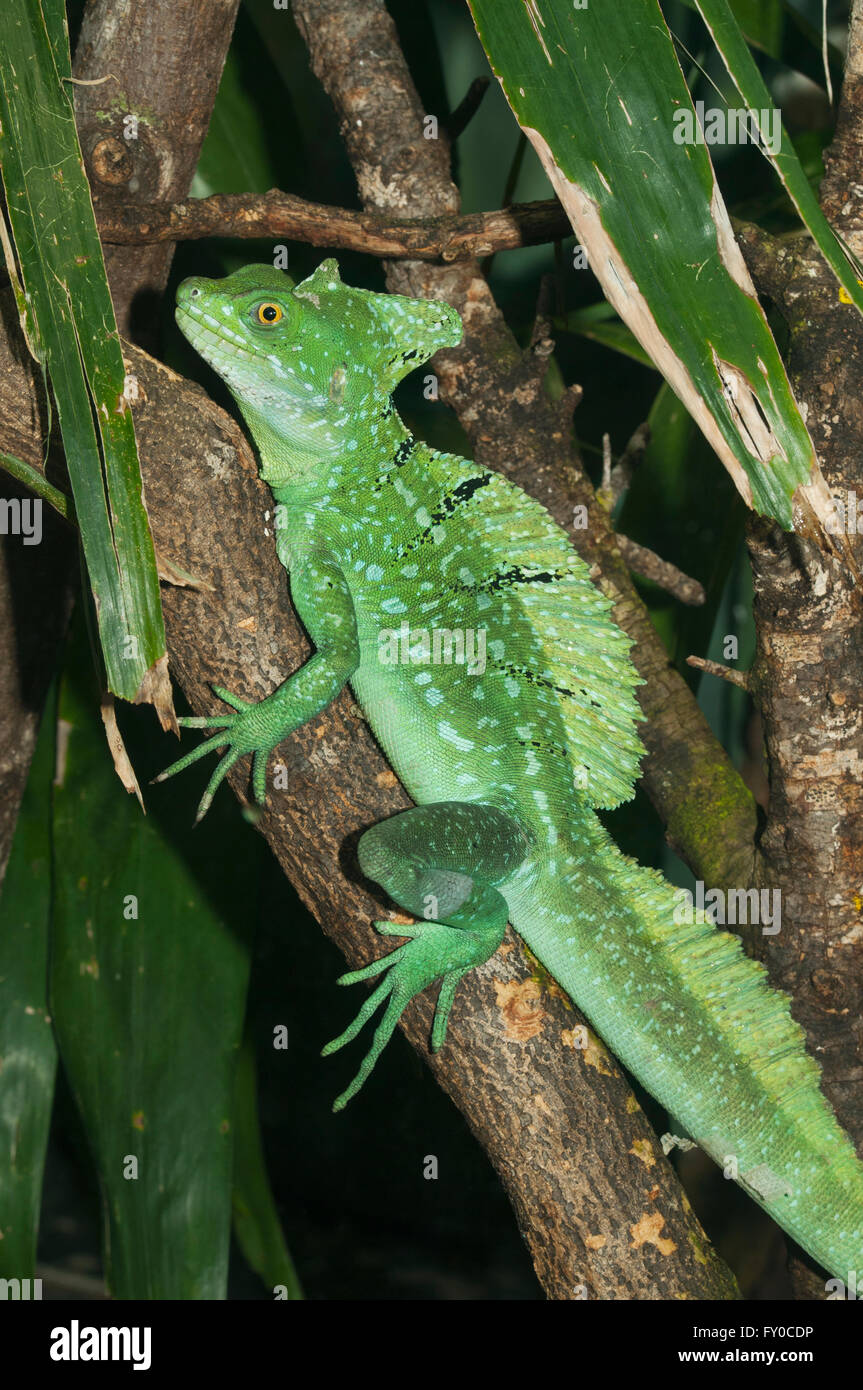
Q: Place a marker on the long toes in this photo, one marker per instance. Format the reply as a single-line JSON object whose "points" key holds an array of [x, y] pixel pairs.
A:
{"points": [[223, 767], [259, 776], [205, 721], [445, 998], [208, 746], [368, 972], [233, 700], [362, 1017], [383, 1033]]}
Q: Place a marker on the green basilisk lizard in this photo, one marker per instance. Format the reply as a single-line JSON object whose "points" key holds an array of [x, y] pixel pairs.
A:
{"points": [[392, 546]]}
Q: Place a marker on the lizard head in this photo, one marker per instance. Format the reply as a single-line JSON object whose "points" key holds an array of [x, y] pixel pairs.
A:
{"points": [[311, 366]]}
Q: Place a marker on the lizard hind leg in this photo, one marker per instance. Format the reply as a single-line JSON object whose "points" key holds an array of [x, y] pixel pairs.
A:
{"points": [[444, 863]]}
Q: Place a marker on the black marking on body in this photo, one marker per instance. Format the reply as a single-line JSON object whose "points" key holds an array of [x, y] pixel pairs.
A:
{"points": [[449, 503], [514, 574], [403, 452], [463, 493], [533, 678], [498, 581], [546, 745]]}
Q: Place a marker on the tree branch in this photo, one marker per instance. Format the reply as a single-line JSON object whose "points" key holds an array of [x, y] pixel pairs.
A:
{"points": [[448, 238], [808, 670], [646, 563]]}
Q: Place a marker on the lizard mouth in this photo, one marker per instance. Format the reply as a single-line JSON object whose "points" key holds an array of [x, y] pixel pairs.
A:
{"points": [[208, 335]]}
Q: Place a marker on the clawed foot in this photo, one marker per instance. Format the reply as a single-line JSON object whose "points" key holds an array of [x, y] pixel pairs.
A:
{"points": [[434, 951], [242, 733]]}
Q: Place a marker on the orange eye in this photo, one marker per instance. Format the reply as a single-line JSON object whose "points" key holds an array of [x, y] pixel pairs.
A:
{"points": [[268, 314]]}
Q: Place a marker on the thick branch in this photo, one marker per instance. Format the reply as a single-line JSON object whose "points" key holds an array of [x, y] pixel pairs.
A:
{"points": [[808, 671], [841, 192]]}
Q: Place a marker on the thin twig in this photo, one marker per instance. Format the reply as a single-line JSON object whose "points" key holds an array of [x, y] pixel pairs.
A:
{"points": [[616, 477], [715, 668], [606, 462], [621, 473], [467, 107], [649, 565]]}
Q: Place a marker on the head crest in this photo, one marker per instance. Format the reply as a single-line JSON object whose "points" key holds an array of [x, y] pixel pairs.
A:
{"points": [[405, 332]]}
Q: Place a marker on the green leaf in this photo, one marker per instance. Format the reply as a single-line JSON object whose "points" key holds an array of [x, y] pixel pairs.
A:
{"points": [[70, 326], [234, 157], [778, 29], [763, 22], [28, 1056], [600, 324], [599, 92], [744, 73], [256, 1221], [149, 971]]}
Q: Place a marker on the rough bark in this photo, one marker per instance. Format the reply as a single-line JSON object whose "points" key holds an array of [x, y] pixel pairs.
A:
{"points": [[279, 215], [809, 668], [808, 671]]}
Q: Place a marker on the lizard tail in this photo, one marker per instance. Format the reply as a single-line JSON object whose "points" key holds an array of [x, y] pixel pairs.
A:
{"points": [[696, 1022]]}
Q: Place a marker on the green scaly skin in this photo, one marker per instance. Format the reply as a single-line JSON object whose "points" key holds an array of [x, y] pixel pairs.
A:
{"points": [[507, 754]]}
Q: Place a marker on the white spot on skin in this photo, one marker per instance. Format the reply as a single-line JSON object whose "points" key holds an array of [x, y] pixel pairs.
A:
{"points": [[453, 736]]}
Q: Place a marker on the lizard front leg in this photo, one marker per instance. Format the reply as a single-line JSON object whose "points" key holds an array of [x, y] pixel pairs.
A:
{"points": [[322, 598]]}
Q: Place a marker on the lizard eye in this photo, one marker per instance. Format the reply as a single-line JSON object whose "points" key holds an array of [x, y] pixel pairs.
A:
{"points": [[268, 314]]}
